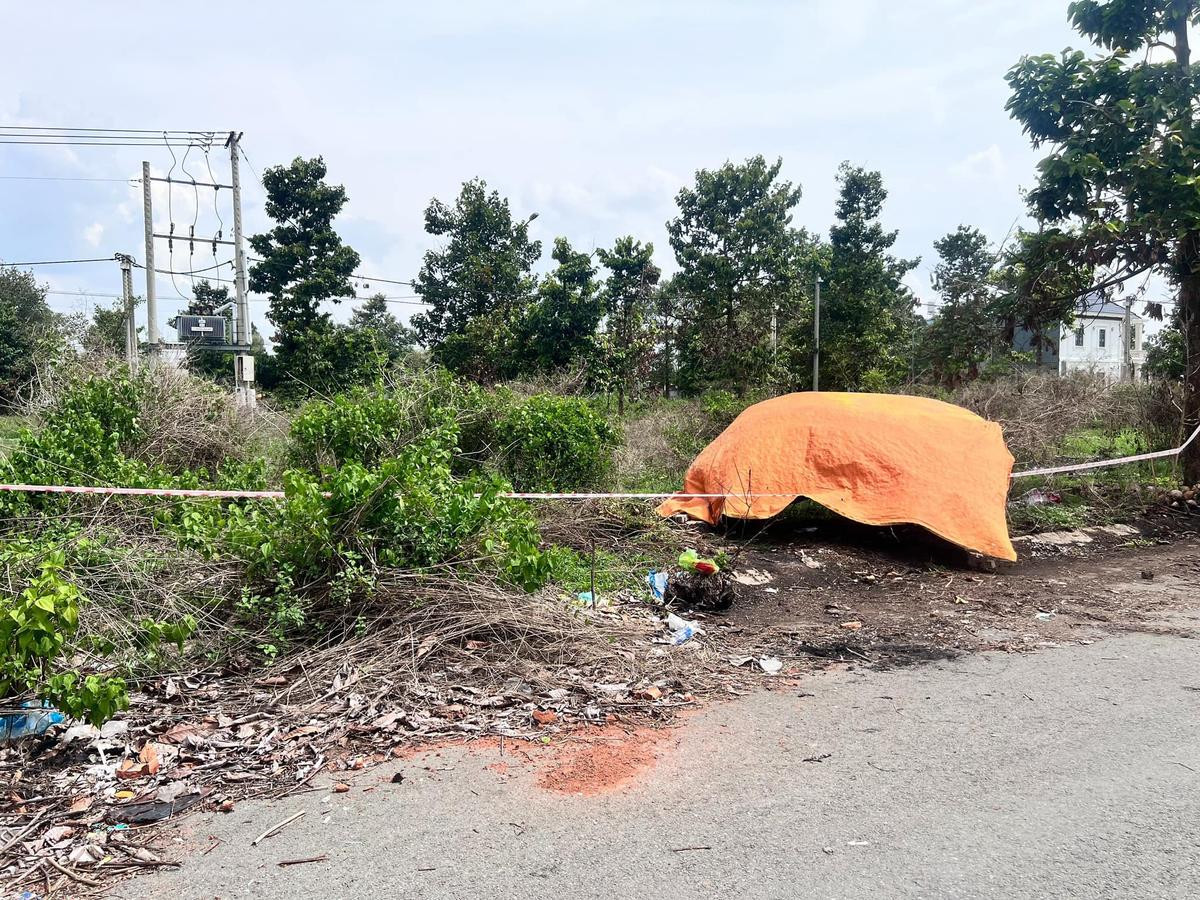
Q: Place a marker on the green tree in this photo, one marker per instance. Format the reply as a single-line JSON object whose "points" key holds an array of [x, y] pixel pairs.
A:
{"points": [[560, 327], [478, 285], [866, 311], [967, 329], [628, 294], [303, 264], [1040, 286], [29, 331], [393, 338], [1123, 168], [737, 256], [1165, 352]]}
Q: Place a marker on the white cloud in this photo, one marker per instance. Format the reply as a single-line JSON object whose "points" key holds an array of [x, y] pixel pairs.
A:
{"points": [[94, 233], [985, 165]]}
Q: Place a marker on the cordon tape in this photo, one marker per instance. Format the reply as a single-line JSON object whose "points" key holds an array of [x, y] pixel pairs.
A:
{"points": [[207, 494]]}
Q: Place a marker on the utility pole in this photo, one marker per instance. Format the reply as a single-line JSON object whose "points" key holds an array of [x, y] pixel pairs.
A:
{"points": [[151, 295], [816, 386], [131, 346], [1126, 342], [243, 359], [775, 331]]}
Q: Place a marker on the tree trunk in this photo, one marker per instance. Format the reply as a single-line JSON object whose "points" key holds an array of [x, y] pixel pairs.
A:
{"points": [[1189, 302]]}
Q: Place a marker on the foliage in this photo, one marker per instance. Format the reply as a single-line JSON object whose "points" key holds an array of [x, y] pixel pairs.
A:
{"points": [[1123, 150], [739, 258], [867, 312], [551, 443], [84, 438], [312, 558], [393, 339], [478, 284], [560, 326], [304, 263], [628, 292], [1166, 353], [36, 627], [965, 332], [29, 331]]}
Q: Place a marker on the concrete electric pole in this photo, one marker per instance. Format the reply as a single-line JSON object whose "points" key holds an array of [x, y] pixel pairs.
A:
{"points": [[131, 343], [243, 359], [816, 386], [151, 295], [1127, 344]]}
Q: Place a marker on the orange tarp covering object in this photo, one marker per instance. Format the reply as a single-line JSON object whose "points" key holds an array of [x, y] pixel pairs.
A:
{"points": [[880, 459]]}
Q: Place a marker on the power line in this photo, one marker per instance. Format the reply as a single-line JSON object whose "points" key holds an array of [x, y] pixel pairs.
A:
{"points": [[118, 130], [130, 181], [55, 262]]}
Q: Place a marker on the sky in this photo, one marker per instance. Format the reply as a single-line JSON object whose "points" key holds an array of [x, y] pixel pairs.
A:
{"points": [[591, 114]]}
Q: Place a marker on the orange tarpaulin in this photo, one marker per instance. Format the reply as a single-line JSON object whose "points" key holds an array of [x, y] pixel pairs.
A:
{"points": [[880, 459]]}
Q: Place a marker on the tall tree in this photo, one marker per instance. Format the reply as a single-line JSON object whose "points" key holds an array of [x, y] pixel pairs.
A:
{"points": [[560, 327], [736, 252], [967, 329], [628, 292], [866, 312], [29, 329], [392, 337], [478, 283], [304, 263], [1040, 286], [1123, 167]]}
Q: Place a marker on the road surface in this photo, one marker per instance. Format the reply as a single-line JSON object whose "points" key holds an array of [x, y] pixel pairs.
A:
{"points": [[1068, 772]]}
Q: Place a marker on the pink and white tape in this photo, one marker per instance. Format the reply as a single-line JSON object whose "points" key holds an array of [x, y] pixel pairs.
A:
{"points": [[209, 494]]}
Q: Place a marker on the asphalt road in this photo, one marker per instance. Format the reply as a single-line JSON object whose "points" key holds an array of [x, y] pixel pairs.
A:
{"points": [[1070, 772]]}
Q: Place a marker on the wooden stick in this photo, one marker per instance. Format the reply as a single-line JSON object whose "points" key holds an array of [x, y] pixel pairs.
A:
{"points": [[276, 828], [303, 860], [70, 873]]}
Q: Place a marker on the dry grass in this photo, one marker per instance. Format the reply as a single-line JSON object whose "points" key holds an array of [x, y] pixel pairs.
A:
{"points": [[1038, 411]]}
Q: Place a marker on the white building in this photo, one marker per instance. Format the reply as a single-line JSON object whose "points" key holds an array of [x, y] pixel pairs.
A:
{"points": [[1094, 343]]}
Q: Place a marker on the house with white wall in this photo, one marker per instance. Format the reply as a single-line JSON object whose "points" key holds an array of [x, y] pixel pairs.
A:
{"points": [[1094, 342]]}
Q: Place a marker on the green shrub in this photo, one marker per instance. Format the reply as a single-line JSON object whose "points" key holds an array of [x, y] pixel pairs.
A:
{"points": [[35, 630], [552, 443], [315, 554]]}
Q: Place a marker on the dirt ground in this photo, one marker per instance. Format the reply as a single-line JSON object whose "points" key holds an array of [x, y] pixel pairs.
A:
{"points": [[835, 596], [895, 596]]}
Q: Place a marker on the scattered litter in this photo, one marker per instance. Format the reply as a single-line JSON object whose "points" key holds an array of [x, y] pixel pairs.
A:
{"points": [[770, 665], [810, 562], [858, 843], [1039, 497], [15, 726], [682, 630], [691, 561], [816, 759], [851, 626], [658, 583], [1044, 616], [753, 577]]}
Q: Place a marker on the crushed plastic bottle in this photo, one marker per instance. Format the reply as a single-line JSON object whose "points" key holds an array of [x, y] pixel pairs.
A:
{"points": [[681, 629], [15, 726]]}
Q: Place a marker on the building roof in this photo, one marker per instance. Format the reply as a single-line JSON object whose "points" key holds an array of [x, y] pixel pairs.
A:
{"points": [[1096, 307]]}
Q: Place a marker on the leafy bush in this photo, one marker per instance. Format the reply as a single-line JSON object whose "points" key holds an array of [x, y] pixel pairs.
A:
{"points": [[35, 629], [315, 555], [550, 443]]}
